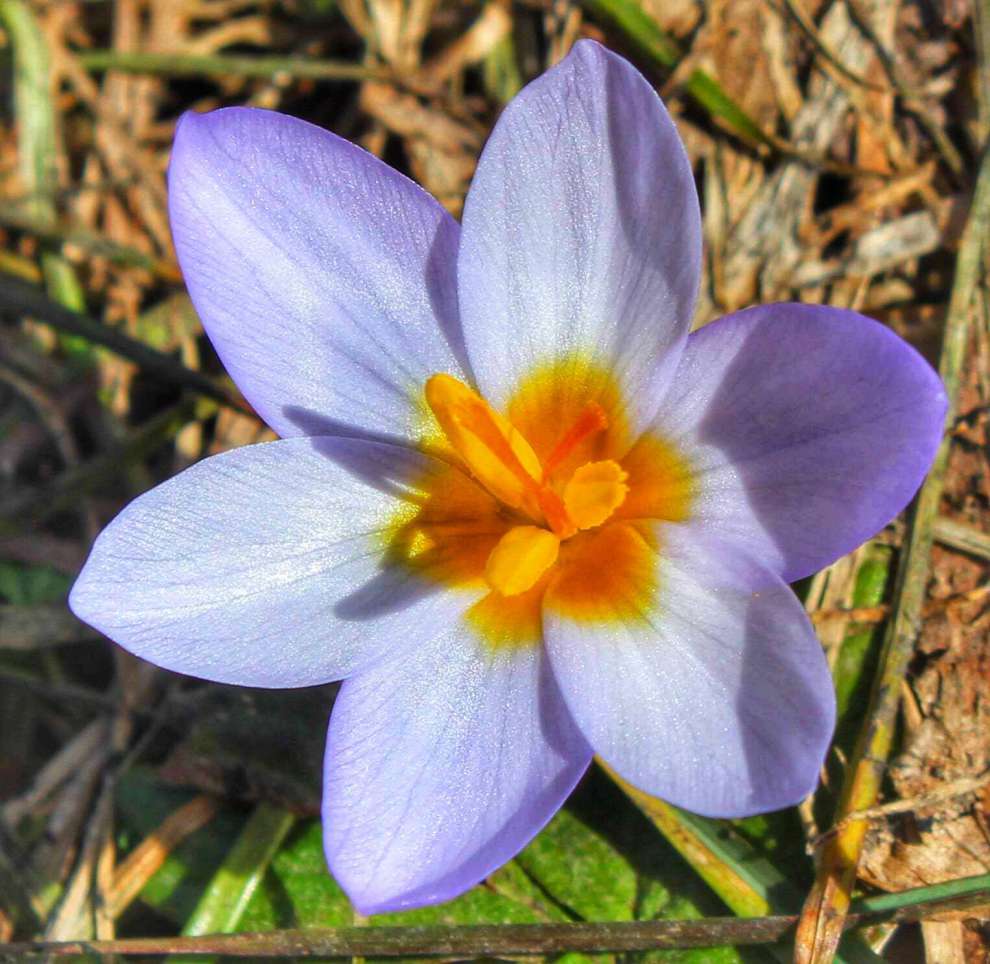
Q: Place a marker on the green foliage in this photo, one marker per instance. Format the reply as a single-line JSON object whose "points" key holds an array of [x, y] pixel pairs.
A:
{"points": [[22, 585], [860, 651], [597, 860], [571, 871], [142, 803], [297, 891]]}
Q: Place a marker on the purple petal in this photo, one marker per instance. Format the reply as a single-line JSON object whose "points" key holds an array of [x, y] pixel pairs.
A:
{"points": [[324, 279], [809, 429], [718, 699], [263, 566], [440, 767], [582, 233]]}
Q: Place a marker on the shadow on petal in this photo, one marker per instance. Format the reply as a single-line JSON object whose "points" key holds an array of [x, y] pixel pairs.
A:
{"points": [[556, 723], [439, 535], [384, 462], [443, 296], [395, 588], [316, 424]]}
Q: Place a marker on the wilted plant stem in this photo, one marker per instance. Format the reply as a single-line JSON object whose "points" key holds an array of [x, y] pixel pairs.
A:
{"points": [[23, 298], [223, 65], [524, 939]]}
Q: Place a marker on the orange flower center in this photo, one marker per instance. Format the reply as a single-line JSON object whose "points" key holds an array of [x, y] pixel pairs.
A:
{"points": [[547, 505], [501, 459]]}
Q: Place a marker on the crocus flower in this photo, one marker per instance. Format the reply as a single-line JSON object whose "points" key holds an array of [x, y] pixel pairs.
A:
{"points": [[515, 505]]}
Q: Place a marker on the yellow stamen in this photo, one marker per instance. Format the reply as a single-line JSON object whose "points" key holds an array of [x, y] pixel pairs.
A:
{"points": [[495, 452], [497, 455], [594, 492], [521, 557]]}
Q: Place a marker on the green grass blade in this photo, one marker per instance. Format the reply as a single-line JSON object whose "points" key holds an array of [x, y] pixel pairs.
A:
{"points": [[37, 148], [653, 43], [32, 108], [859, 652], [630, 17], [977, 887], [228, 894]]}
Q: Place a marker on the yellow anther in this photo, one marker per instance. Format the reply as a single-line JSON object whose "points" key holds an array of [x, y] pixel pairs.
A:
{"points": [[496, 454], [594, 492], [520, 558]]}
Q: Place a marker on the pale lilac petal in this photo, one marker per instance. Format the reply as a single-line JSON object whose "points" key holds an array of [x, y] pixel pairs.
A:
{"points": [[808, 429], [581, 232], [440, 767], [718, 699], [264, 566], [324, 279]]}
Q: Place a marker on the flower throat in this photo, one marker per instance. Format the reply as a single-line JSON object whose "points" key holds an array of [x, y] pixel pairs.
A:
{"points": [[548, 505], [502, 460]]}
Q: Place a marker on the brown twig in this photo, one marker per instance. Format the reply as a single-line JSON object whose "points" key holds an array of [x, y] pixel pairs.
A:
{"points": [[960, 536], [142, 862], [515, 939], [953, 790]]}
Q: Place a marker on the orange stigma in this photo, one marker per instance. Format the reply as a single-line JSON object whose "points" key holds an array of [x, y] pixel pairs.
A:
{"points": [[591, 421]]}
